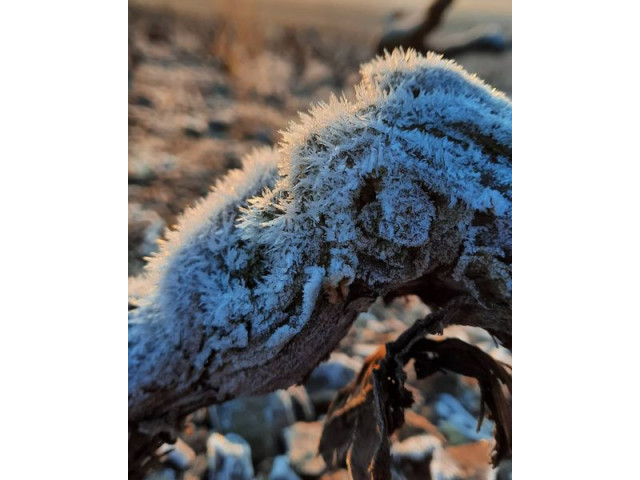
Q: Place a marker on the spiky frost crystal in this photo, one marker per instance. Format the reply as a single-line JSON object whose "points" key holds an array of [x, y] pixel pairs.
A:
{"points": [[414, 176]]}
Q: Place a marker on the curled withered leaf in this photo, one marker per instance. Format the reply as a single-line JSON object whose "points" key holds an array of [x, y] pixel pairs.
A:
{"points": [[362, 417], [457, 356], [342, 417], [369, 455], [366, 412]]}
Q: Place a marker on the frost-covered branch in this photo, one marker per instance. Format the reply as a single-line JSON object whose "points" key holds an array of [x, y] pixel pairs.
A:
{"points": [[407, 189]]}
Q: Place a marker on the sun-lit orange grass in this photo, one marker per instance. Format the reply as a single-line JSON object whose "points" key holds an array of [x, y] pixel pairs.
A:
{"points": [[241, 37]]}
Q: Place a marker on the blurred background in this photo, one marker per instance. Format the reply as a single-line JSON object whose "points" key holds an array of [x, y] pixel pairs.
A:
{"points": [[211, 80]]}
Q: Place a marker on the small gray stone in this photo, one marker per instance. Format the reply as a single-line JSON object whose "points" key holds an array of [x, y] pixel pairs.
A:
{"points": [[406, 309], [164, 474], [416, 448], [229, 457], [329, 377], [470, 461], [281, 469], [457, 424], [411, 458], [181, 456], [302, 406], [364, 349], [259, 420], [505, 470], [198, 470], [200, 416], [302, 439]]}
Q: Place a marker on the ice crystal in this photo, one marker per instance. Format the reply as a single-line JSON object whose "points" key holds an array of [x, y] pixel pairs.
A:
{"points": [[414, 174]]}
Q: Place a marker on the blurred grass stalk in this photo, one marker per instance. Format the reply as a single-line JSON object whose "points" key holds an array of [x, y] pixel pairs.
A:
{"points": [[360, 15]]}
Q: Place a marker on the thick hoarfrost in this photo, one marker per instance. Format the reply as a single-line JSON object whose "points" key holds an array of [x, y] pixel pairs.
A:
{"points": [[412, 176]]}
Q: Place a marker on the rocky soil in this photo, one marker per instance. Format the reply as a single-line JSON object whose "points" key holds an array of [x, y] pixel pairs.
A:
{"points": [[201, 95]]}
